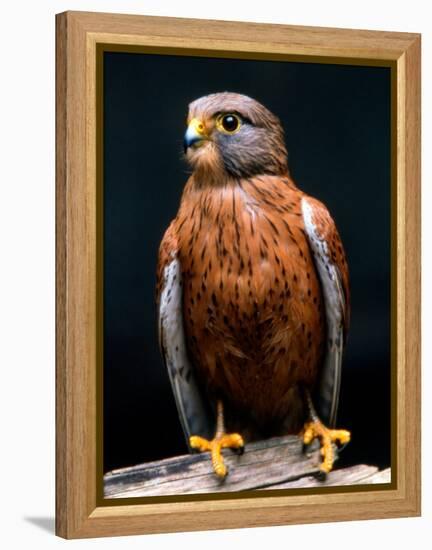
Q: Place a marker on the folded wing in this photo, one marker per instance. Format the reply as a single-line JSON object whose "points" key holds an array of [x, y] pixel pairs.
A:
{"points": [[193, 412], [332, 269]]}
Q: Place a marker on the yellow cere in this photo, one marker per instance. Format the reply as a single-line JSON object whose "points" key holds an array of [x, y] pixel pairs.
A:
{"points": [[196, 125]]}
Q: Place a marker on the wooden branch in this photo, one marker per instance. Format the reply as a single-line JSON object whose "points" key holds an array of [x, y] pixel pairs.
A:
{"points": [[277, 463]]}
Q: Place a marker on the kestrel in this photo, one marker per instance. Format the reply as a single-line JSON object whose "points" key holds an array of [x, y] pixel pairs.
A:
{"points": [[253, 290]]}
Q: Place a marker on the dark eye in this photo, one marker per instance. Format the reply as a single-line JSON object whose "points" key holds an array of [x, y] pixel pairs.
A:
{"points": [[229, 123]]}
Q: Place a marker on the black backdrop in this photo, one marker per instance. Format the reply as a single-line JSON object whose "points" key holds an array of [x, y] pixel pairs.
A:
{"points": [[337, 124]]}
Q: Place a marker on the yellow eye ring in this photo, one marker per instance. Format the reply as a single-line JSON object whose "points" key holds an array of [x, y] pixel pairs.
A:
{"points": [[228, 123]]}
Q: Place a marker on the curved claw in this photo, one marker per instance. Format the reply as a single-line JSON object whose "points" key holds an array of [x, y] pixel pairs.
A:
{"points": [[239, 451], [327, 437], [232, 441]]}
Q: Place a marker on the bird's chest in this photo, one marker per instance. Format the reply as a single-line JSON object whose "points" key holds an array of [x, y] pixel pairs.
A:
{"points": [[252, 303], [246, 267]]}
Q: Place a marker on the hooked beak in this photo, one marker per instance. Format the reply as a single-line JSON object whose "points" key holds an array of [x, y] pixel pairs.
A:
{"points": [[195, 134]]}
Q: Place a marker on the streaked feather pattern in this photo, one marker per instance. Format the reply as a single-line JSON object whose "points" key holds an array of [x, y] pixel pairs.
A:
{"points": [[252, 284]]}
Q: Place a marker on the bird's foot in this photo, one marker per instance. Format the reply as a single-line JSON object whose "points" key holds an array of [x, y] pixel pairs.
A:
{"points": [[233, 441], [316, 429]]}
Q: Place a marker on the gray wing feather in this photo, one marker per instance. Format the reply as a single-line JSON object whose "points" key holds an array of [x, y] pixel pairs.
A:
{"points": [[334, 301], [194, 415]]}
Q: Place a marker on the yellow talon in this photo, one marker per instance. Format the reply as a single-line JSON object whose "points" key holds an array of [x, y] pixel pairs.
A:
{"points": [[327, 437], [215, 446], [220, 441], [308, 436], [199, 443]]}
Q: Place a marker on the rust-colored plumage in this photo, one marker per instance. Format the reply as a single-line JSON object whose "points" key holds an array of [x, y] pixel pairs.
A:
{"points": [[260, 284]]}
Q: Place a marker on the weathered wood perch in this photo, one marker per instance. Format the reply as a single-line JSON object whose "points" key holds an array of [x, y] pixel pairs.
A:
{"points": [[277, 463]]}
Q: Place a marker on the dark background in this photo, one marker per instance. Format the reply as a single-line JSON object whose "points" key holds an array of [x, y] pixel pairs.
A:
{"points": [[337, 124]]}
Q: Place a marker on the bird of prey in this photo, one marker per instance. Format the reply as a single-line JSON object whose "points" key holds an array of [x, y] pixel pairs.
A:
{"points": [[253, 290]]}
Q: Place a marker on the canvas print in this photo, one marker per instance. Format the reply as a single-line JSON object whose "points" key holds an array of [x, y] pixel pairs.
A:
{"points": [[246, 275]]}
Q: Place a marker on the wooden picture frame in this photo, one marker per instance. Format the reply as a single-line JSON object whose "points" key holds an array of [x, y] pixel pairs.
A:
{"points": [[79, 511]]}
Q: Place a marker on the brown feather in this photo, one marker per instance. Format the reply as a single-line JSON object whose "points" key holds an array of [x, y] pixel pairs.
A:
{"points": [[253, 306], [254, 329]]}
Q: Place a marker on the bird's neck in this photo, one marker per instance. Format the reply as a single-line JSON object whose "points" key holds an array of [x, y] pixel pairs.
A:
{"points": [[232, 195], [204, 178], [207, 176]]}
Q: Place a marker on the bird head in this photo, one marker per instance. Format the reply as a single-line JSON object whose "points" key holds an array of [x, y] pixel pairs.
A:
{"points": [[233, 134]]}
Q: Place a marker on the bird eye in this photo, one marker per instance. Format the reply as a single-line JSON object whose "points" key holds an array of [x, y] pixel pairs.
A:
{"points": [[228, 123]]}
